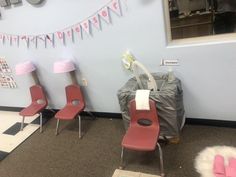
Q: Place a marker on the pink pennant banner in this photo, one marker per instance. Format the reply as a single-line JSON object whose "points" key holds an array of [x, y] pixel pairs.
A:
{"points": [[61, 36], [15, 40], [7, 39], [2, 38], [69, 34], [24, 39], [77, 30], [32, 41], [40, 40], [49, 40], [114, 5], [95, 21], [104, 14], [86, 26]]}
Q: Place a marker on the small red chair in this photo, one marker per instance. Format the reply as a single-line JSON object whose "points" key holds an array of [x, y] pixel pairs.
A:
{"points": [[74, 106], [143, 132], [38, 104]]}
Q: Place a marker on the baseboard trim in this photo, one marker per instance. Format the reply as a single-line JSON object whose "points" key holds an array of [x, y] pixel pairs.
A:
{"points": [[210, 122], [14, 109], [190, 121], [103, 114]]}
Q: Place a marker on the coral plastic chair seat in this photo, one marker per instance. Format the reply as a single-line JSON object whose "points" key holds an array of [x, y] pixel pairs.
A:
{"points": [[32, 109], [69, 112], [146, 141]]}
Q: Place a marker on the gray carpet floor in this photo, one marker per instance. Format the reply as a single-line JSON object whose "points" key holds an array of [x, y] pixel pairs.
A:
{"points": [[97, 154]]}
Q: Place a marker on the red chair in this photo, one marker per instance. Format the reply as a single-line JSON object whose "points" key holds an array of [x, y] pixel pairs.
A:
{"points": [[143, 132], [38, 104], [74, 106]]}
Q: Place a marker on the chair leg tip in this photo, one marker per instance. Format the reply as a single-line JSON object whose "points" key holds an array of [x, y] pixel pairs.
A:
{"points": [[162, 175], [81, 136]]}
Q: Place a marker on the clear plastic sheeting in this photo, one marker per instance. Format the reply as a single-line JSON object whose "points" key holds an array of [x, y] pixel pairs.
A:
{"points": [[169, 102]]}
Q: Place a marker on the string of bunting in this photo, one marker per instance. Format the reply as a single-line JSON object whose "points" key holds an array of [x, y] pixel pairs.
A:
{"points": [[69, 34]]}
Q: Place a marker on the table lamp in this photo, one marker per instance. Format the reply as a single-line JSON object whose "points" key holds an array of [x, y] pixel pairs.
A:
{"points": [[65, 66], [26, 68]]}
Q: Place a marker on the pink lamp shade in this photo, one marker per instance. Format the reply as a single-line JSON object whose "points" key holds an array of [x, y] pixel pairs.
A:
{"points": [[24, 68], [63, 66]]}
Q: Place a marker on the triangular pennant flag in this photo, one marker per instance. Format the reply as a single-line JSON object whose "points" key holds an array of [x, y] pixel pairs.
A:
{"points": [[95, 21], [7, 39], [69, 34], [25, 40], [104, 14], [1, 38], [49, 39], [86, 26], [15, 40], [114, 5], [77, 30], [32, 40], [40, 40], [60, 36]]}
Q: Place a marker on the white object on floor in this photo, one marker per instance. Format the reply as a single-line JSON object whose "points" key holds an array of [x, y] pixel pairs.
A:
{"points": [[10, 134], [205, 159], [123, 173], [142, 99]]}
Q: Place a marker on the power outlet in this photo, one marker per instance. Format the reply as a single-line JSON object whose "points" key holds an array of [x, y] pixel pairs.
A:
{"points": [[84, 82], [165, 62]]}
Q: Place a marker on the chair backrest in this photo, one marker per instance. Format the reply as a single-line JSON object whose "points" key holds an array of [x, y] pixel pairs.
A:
{"points": [[147, 116], [74, 95], [37, 95]]}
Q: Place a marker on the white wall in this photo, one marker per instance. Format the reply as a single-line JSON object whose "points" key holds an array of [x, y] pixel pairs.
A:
{"points": [[207, 71]]}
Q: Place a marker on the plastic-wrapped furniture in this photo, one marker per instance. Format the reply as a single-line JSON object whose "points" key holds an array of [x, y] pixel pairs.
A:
{"points": [[74, 106], [38, 104], [168, 98], [143, 132]]}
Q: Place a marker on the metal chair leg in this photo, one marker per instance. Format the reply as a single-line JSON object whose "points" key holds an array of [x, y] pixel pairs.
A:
{"points": [[122, 158], [41, 122], [161, 160], [79, 127], [58, 121], [22, 123]]}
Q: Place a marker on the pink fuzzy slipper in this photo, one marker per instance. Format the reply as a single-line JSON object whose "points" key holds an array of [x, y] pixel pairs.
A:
{"points": [[219, 166], [231, 169]]}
